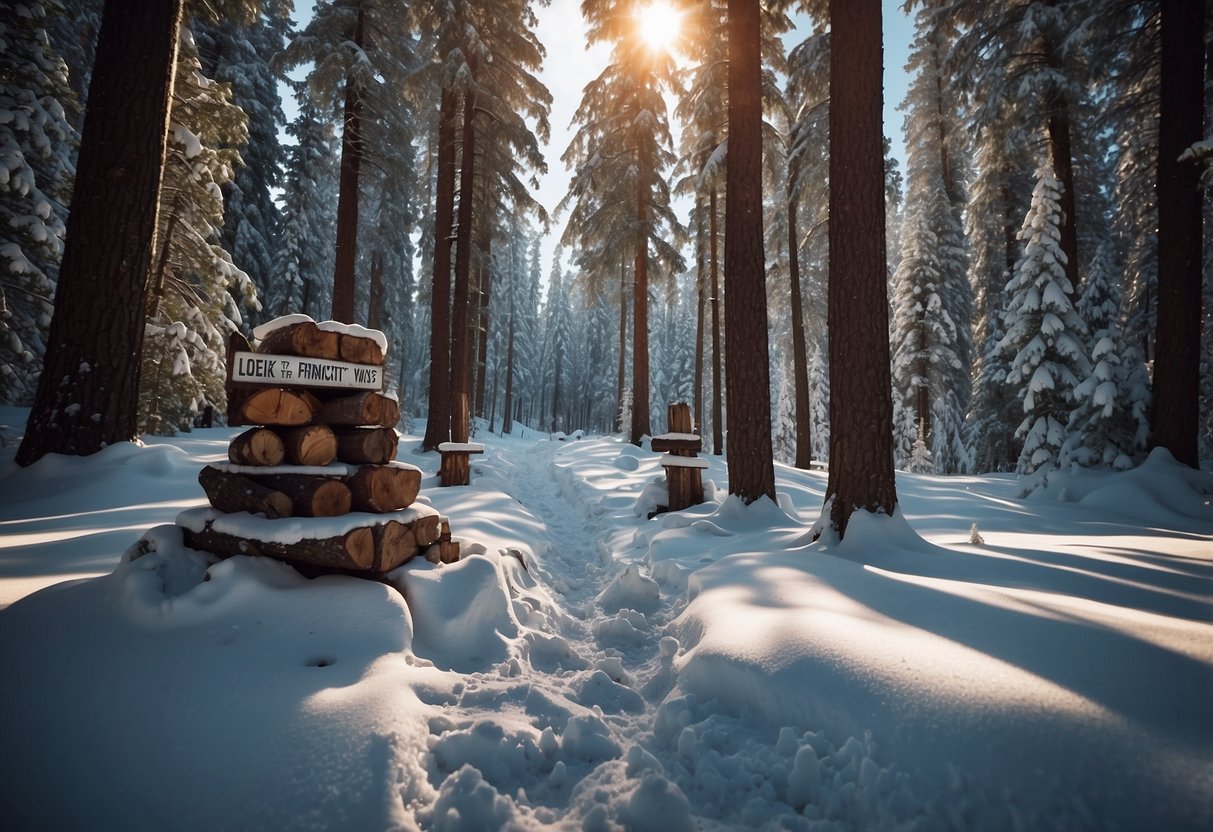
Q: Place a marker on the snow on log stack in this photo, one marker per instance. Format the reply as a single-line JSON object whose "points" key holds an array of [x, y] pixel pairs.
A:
{"points": [[313, 480], [683, 467]]}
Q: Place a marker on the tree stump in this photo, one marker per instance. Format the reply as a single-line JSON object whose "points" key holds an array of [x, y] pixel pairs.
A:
{"points": [[683, 468], [456, 466]]}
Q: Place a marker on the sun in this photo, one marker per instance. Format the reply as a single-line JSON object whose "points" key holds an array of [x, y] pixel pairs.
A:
{"points": [[658, 22]]}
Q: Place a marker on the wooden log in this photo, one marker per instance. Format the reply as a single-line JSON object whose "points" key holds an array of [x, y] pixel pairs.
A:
{"points": [[685, 486], [276, 406], [231, 493], [257, 446], [676, 444], [353, 550], [366, 446], [309, 445], [360, 350], [367, 408], [311, 495], [455, 468], [679, 418], [304, 338], [381, 488], [427, 529], [395, 545]]}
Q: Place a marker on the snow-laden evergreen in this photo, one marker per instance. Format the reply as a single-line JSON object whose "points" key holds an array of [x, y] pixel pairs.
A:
{"points": [[931, 295], [1109, 426], [1044, 335], [194, 286], [239, 54], [36, 169], [304, 257], [819, 401], [930, 334]]}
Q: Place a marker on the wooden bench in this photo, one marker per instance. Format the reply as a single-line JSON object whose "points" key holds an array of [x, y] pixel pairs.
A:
{"points": [[456, 467], [683, 467]]}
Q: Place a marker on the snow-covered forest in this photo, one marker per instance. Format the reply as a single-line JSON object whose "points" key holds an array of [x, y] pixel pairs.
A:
{"points": [[954, 406], [1022, 244]]}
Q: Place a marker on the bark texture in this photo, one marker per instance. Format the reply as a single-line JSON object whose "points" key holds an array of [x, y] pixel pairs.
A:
{"points": [[347, 198], [749, 455], [88, 393], [861, 408], [438, 423], [1177, 356]]}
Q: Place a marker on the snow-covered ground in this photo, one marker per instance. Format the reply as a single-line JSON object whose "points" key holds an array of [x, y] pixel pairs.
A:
{"points": [[587, 667]]}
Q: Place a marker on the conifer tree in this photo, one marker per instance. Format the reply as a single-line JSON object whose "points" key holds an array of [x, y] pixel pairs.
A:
{"points": [[303, 261], [36, 168], [933, 301], [1108, 426], [239, 54], [1183, 44], [618, 198], [1044, 335], [361, 51], [193, 284], [87, 395], [861, 411]]}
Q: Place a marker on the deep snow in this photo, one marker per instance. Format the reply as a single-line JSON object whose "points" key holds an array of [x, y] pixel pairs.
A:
{"points": [[585, 666]]}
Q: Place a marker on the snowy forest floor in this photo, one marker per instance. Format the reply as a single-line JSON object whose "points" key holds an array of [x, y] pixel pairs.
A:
{"points": [[585, 666]]}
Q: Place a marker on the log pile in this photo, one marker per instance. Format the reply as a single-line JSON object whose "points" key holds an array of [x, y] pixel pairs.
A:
{"points": [[683, 467], [314, 479]]}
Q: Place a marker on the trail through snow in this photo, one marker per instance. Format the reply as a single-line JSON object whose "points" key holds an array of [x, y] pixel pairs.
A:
{"points": [[574, 705]]}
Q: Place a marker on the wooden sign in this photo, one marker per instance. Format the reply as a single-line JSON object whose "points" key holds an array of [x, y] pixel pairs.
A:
{"points": [[294, 370]]}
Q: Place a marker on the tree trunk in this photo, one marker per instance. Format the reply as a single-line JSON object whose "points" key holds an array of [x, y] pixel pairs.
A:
{"points": [[700, 304], [749, 455], [507, 407], [861, 407], [640, 315], [623, 340], [800, 356], [486, 296], [1177, 343], [717, 398], [347, 198], [1063, 171], [88, 393], [463, 267], [438, 423], [374, 307]]}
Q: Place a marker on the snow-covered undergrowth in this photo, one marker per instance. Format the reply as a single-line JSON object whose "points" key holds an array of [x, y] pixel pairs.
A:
{"points": [[585, 666]]}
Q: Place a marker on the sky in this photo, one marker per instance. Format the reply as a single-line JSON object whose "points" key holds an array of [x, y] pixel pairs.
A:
{"points": [[570, 66]]}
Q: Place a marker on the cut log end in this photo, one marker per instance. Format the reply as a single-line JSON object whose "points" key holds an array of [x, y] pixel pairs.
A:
{"points": [[258, 447], [277, 406]]}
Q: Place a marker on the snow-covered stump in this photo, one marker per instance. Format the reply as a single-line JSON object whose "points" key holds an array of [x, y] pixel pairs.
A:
{"points": [[683, 468], [456, 466], [313, 482]]}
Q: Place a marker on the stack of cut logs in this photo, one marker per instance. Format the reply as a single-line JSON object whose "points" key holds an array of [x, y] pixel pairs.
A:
{"points": [[321, 445]]}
